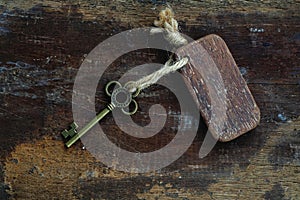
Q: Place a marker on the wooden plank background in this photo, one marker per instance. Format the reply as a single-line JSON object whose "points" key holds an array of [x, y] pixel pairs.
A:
{"points": [[42, 44]]}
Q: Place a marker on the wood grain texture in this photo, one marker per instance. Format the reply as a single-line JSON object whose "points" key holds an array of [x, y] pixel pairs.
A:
{"points": [[42, 44], [214, 80]]}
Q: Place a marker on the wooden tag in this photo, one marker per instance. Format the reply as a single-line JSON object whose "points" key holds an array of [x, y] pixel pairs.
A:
{"points": [[213, 77]]}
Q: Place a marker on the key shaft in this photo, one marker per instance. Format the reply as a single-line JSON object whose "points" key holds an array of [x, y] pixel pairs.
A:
{"points": [[90, 125]]}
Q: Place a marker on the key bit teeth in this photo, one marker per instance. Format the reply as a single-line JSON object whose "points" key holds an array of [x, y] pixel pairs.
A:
{"points": [[71, 132], [65, 133], [74, 125]]}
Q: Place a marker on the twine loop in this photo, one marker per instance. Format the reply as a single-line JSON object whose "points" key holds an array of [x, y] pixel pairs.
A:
{"points": [[167, 24]]}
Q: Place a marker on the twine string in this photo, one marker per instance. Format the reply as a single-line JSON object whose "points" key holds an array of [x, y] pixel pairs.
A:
{"points": [[168, 25]]}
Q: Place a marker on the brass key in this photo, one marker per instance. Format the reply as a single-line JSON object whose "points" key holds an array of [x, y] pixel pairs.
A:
{"points": [[120, 98]]}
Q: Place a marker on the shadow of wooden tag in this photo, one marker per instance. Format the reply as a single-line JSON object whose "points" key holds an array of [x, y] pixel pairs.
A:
{"points": [[218, 88]]}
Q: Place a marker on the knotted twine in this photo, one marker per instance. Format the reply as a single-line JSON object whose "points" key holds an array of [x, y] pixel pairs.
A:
{"points": [[169, 26]]}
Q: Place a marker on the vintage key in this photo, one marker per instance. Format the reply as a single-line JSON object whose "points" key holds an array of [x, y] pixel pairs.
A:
{"points": [[120, 98]]}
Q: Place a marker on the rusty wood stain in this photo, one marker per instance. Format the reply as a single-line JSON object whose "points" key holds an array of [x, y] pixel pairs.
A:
{"points": [[40, 170], [42, 44]]}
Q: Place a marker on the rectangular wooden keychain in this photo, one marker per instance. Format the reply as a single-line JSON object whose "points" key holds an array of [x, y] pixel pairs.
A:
{"points": [[242, 113]]}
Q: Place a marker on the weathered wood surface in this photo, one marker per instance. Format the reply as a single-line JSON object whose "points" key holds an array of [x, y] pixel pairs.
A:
{"points": [[215, 81], [42, 44]]}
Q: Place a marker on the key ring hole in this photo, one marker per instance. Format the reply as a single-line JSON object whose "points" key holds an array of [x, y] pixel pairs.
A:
{"points": [[109, 84], [133, 111], [121, 97]]}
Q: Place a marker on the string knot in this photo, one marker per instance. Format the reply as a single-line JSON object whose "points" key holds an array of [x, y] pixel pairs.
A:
{"points": [[168, 24]]}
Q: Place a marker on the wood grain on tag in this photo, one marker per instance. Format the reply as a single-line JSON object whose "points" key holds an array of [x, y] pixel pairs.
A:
{"points": [[218, 88]]}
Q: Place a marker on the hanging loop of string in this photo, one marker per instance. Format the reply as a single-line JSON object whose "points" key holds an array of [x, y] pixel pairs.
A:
{"points": [[168, 25]]}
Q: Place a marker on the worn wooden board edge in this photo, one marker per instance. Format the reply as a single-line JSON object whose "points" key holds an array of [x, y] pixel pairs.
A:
{"points": [[212, 75]]}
